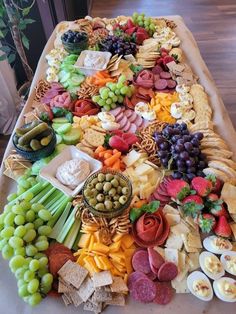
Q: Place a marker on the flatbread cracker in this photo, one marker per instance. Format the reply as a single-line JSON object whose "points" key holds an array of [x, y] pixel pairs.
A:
{"points": [[117, 299], [102, 278], [86, 289], [73, 273], [118, 285]]}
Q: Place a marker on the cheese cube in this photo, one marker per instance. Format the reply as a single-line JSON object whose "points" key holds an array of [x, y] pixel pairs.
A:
{"points": [[127, 241], [84, 240], [100, 248], [114, 247], [143, 169], [172, 219], [174, 242], [131, 158], [172, 255]]}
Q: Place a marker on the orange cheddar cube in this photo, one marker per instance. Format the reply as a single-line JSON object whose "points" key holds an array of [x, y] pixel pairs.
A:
{"points": [[120, 267], [129, 252], [80, 260], [114, 247], [98, 262], [89, 262], [91, 243], [100, 248], [106, 263], [117, 237], [128, 264], [127, 241], [84, 240]]}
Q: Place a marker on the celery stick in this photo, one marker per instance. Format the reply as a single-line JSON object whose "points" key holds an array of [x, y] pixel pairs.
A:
{"points": [[38, 197], [72, 235], [34, 189], [53, 198], [60, 223], [75, 245], [46, 196], [67, 226], [58, 213], [53, 208]]}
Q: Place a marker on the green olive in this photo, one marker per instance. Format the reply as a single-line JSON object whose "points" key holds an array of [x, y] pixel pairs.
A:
{"points": [[100, 197], [116, 197], [116, 205], [112, 192], [125, 190], [94, 181], [109, 177], [123, 199], [92, 202], [99, 186], [108, 205], [107, 186], [123, 183], [119, 190], [107, 198], [115, 183], [87, 193], [94, 192], [101, 177], [100, 206], [90, 185], [117, 178]]}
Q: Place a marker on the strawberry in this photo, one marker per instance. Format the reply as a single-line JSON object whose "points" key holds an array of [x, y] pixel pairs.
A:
{"points": [[178, 189], [201, 185], [206, 222], [168, 59], [130, 138], [222, 228], [118, 143], [192, 205], [164, 52], [219, 210], [130, 31], [212, 197], [130, 23], [217, 183]]}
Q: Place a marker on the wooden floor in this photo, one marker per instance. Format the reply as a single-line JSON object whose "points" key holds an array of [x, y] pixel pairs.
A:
{"points": [[213, 24]]}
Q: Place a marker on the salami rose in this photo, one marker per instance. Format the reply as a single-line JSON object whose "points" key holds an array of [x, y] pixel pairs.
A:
{"points": [[145, 78], [151, 229], [62, 100]]}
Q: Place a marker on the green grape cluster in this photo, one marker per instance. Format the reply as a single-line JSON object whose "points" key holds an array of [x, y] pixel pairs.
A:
{"points": [[113, 94], [23, 238], [145, 22]]}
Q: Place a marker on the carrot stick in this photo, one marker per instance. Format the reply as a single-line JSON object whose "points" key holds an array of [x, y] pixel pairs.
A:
{"points": [[116, 165], [101, 154], [110, 161], [99, 149], [115, 151], [107, 155], [140, 203]]}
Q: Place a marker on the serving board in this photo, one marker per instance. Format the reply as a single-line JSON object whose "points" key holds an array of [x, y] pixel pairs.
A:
{"points": [[10, 303]]}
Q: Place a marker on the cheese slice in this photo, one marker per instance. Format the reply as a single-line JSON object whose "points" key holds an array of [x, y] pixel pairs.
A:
{"points": [[194, 240], [172, 255], [143, 169], [131, 158], [173, 219], [180, 229], [170, 210], [174, 242], [187, 247], [182, 260], [180, 286], [190, 221]]}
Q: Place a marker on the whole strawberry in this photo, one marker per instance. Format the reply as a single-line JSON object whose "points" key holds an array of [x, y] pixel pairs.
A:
{"points": [[192, 205], [178, 189], [219, 210], [216, 183], [206, 222], [201, 185], [222, 228]]}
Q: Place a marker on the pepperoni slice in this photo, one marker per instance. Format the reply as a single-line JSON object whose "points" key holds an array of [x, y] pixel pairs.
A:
{"points": [[164, 293], [133, 277], [155, 260], [140, 262], [161, 84], [165, 75], [144, 290], [168, 271], [157, 69], [171, 84]]}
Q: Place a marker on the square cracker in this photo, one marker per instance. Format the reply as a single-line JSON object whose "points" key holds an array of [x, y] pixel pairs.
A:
{"points": [[66, 299], [86, 289], [76, 299], [73, 273], [117, 299], [63, 286], [96, 308], [101, 279], [118, 285], [101, 295]]}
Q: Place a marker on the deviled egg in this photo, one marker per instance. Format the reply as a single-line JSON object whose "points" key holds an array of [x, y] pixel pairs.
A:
{"points": [[200, 286], [211, 265], [228, 260], [217, 244], [225, 289]]}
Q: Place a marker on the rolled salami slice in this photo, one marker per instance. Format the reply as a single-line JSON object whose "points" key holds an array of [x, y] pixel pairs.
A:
{"points": [[115, 111], [144, 290], [165, 75], [161, 197], [164, 293], [171, 83], [133, 128], [138, 121], [161, 84], [155, 260], [167, 272], [128, 113], [157, 69], [133, 117], [140, 262], [123, 122]]}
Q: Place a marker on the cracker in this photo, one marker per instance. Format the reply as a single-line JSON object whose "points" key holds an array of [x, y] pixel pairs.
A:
{"points": [[117, 299], [66, 299], [98, 129], [73, 273], [194, 240], [94, 138], [63, 286], [118, 285], [76, 299], [86, 289], [96, 308], [101, 295], [102, 278]]}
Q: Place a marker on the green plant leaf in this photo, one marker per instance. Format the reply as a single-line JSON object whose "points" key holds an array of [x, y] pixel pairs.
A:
{"points": [[5, 49], [11, 58], [3, 57], [29, 21], [1, 34], [2, 24], [135, 213], [25, 11], [25, 41]]}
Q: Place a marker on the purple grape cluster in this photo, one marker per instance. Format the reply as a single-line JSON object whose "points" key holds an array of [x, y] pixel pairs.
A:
{"points": [[118, 45], [180, 151]]}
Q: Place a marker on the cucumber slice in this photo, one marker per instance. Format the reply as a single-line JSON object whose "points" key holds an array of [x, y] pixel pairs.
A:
{"points": [[60, 148], [72, 137], [64, 128], [59, 138], [76, 79], [56, 126], [60, 120], [64, 77]]}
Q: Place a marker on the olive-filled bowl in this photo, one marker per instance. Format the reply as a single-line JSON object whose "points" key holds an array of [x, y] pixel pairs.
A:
{"points": [[107, 193], [39, 133]]}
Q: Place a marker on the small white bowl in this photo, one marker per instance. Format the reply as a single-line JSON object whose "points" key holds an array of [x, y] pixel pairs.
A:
{"points": [[91, 70], [49, 171], [217, 292], [195, 276], [224, 262]]}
